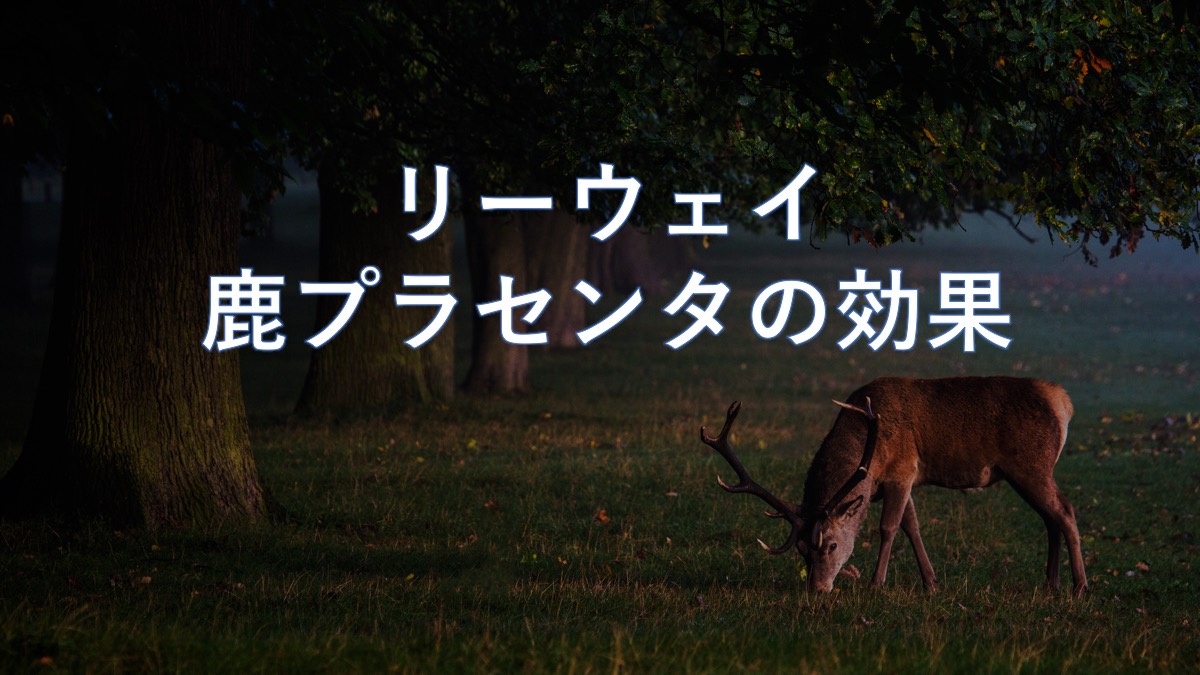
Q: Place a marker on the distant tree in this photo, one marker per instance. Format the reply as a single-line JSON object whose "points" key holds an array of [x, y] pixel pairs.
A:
{"points": [[544, 94], [368, 367], [355, 69], [418, 83]]}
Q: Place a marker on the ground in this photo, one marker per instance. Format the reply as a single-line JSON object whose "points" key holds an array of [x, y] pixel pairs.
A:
{"points": [[580, 528]]}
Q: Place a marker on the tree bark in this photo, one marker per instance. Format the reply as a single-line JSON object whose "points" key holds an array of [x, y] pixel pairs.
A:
{"points": [[556, 259], [551, 251], [134, 420], [367, 367], [495, 246]]}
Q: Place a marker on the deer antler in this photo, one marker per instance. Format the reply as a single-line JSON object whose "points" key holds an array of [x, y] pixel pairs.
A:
{"points": [[865, 463], [748, 485]]}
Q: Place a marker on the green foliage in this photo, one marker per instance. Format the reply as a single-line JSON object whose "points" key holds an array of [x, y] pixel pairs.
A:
{"points": [[1109, 146], [915, 113]]}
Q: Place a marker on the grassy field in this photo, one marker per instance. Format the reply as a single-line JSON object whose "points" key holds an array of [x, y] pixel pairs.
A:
{"points": [[580, 529]]}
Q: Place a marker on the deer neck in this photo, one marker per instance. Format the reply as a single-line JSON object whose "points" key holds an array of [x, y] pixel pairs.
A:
{"points": [[834, 464]]}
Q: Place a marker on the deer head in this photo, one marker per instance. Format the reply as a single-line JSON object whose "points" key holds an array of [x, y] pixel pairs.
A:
{"points": [[825, 538]]}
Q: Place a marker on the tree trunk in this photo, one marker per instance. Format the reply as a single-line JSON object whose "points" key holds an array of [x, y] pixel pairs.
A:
{"points": [[633, 259], [547, 251], [367, 366], [556, 257], [134, 420], [495, 246]]}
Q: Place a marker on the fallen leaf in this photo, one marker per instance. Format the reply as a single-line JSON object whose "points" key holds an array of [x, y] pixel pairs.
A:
{"points": [[601, 516]]}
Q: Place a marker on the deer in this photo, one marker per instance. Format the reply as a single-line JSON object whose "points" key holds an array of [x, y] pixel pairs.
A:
{"points": [[895, 434]]}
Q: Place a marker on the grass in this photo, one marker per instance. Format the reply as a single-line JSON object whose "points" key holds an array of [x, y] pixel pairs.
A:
{"points": [[579, 529]]}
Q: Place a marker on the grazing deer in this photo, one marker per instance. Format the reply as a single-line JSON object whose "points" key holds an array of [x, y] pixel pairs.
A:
{"points": [[898, 433]]}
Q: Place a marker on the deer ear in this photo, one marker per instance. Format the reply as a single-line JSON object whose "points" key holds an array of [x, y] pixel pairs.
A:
{"points": [[848, 509]]}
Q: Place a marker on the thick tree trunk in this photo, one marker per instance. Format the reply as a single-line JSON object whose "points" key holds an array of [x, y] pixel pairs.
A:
{"points": [[367, 366], [556, 258], [495, 246], [134, 420]]}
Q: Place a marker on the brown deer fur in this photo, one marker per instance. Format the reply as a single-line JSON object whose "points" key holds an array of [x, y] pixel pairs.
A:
{"points": [[959, 433]]}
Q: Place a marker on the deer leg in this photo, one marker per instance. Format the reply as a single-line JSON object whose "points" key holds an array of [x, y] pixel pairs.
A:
{"points": [[1049, 501], [894, 500], [1053, 553], [913, 530], [1070, 530]]}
